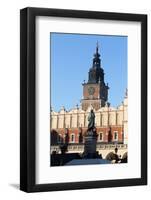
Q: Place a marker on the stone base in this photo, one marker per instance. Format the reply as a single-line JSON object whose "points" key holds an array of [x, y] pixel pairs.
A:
{"points": [[90, 145]]}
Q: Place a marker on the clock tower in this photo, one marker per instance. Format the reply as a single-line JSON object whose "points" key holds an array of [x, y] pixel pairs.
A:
{"points": [[95, 91]]}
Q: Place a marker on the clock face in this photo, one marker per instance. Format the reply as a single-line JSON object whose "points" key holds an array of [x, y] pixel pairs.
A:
{"points": [[91, 90]]}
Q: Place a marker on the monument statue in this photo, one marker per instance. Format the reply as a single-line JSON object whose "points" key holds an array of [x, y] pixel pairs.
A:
{"points": [[90, 138], [91, 120]]}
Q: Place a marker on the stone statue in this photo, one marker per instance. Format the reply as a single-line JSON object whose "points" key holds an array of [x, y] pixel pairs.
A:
{"points": [[90, 138], [91, 119]]}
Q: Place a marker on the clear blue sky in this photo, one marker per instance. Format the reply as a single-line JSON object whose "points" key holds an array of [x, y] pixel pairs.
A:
{"points": [[71, 57]]}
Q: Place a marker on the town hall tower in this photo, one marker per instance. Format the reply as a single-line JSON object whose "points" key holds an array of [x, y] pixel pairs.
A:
{"points": [[95, 91]]}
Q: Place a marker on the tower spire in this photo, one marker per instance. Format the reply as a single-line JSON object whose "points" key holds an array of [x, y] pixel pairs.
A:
{"points": [[96, 73]]}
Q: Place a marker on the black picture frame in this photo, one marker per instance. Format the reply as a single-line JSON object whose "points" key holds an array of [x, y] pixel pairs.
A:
{"points": [[28, 99]]}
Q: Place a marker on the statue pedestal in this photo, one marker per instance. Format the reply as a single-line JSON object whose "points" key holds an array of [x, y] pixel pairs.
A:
{"points": [[90, 145]]}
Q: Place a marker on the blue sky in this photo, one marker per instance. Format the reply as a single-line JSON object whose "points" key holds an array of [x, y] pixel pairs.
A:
{"points": [[71, 57]]}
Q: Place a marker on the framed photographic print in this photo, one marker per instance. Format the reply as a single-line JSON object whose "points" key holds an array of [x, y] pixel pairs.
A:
{"points": [[83, 99]]}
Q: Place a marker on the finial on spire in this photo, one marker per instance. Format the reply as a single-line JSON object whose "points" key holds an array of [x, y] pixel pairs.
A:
{"points": [[97, 55], [97, 46]]}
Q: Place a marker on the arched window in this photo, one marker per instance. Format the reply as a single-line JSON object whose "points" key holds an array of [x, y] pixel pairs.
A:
{"points": [[115, 136], [72, 138], [101, 136]]}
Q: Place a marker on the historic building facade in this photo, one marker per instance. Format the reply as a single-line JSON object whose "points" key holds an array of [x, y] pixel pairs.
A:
{"points": [[111, 123]]}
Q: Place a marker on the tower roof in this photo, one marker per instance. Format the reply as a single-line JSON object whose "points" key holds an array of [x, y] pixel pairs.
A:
{"points": [[96, 73]]}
